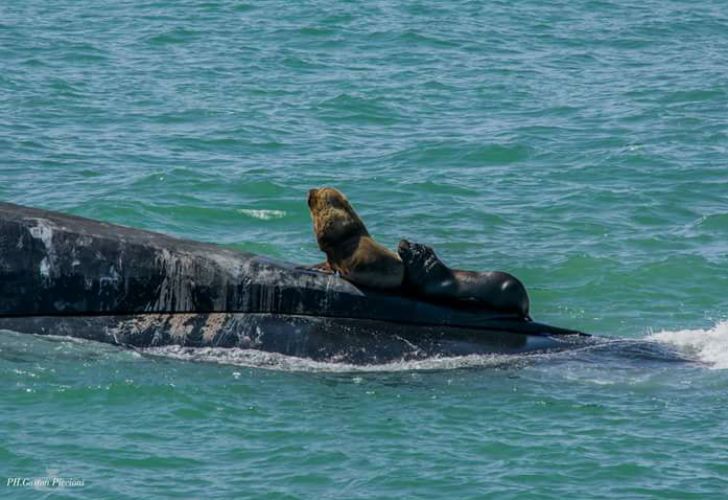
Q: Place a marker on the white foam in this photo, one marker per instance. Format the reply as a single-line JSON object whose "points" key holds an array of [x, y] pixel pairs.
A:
{"points": [[263, 214], [709, 346], [275, 361]]}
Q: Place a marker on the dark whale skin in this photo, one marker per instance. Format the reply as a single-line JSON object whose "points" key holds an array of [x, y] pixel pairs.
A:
{"points": [[67, 275]]}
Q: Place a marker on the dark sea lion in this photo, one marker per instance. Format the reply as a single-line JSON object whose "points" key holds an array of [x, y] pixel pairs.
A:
{"points": [[349, 248], [427, 276]]}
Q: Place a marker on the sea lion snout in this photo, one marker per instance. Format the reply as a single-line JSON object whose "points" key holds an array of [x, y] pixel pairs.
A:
{"points": [[311, 197], [414, 252], [403, 247]]}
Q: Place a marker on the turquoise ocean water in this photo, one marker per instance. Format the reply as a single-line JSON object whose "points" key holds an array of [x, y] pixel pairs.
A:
{"points": [[582, 146]]}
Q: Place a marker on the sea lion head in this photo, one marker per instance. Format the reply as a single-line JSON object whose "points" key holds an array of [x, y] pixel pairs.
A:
{"points": [[334, 219], [421, 263]]}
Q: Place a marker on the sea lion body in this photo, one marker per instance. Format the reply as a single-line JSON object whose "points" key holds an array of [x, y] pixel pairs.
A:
{"points": [[428, 277], [349, 248]]}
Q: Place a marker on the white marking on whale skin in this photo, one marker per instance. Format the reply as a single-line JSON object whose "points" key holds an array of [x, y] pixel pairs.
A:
{"points": [[112, 279], [180, 325], [45, 268], [176, 286], [84, 241], [44, 232], [213, 325], [135, 326], [228, 263], [257, 337]]}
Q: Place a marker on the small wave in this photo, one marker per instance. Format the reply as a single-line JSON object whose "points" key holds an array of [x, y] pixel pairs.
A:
{"points": [[274, 361], [263, 214], [709, 346]]}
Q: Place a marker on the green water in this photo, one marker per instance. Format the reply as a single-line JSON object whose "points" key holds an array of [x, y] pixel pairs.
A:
{"points": [[579, 145]]}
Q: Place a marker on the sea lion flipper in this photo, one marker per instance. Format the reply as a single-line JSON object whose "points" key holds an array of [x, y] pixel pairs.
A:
{"points": [[322, 267]]}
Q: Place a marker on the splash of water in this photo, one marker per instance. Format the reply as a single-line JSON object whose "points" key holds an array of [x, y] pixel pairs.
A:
{"points": [[263, 214], [709, 346], [275, 361]]}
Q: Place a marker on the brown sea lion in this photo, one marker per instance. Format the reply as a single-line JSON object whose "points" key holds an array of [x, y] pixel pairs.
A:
{"points": [[349, 248], [428, 277]]}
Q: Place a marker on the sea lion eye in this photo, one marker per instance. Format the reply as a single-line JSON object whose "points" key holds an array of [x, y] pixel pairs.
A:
{"points": [[334, 200]]}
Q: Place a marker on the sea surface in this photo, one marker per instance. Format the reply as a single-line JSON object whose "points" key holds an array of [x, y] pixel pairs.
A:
{"points": [[581, 145]]}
